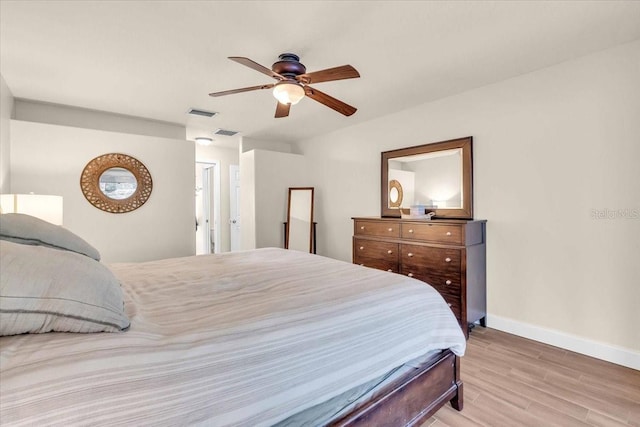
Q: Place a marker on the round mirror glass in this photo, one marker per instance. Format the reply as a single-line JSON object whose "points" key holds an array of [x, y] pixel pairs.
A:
{"points": [[118, 183], [393, 195]]}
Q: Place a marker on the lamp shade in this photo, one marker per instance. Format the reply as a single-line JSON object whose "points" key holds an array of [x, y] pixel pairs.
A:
{"points": [[45, 207], [288, 92]]}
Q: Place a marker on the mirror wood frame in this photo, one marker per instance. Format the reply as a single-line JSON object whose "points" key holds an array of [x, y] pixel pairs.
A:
{"points": [[465, 144], [288, 223], [90, 182]]}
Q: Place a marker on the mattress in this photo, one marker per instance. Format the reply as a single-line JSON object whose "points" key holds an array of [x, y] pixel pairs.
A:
{"points": [[245, 339], [336, 407]]}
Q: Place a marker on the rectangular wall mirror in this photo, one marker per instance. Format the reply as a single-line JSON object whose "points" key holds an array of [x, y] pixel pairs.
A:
{"points": [[299, 226], [438, 176]]}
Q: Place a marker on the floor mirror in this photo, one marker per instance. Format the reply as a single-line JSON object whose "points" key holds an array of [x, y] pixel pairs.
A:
{"points": [[299, 226]]}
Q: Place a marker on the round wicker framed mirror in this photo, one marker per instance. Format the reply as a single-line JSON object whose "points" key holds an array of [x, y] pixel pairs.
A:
{"points": [[116, 183]]}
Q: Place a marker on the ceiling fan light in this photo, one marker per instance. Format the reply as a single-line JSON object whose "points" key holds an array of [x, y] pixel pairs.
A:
{"points": [[288, 92]]}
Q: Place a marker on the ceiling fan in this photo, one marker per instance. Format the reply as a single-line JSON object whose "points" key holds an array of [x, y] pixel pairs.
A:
{"points": [[293, 83]]}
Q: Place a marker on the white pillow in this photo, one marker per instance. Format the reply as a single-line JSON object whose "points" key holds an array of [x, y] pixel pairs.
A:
{"points": [[44, 289], [29, 230]]}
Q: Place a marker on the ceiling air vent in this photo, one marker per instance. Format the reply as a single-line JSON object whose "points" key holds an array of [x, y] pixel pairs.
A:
{"points": [[225, 132], [202, 113]]}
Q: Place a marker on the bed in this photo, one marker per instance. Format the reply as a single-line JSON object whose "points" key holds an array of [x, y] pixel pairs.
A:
{"points": [[255, 338]]}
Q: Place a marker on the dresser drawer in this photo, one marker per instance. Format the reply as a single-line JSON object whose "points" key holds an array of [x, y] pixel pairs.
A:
{"points": [[444, 260], [436, 233], [380, 264], [377, 228], [454, 304], [375, 249], [442, 282]]}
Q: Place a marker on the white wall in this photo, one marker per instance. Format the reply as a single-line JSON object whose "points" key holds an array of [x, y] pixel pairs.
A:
{"points": [[226, 157], [265, 180], [552, 150], [6, 113], [66, 115], [248, 144], [247, 200], [49, 159]]}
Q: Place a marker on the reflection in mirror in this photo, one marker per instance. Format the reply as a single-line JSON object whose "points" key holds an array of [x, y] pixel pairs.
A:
{"points": [[300, 219], [437, 177], [396, 194], [118, 183], [393, 196]]}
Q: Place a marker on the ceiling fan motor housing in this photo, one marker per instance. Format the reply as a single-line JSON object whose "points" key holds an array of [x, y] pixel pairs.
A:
{"points": [[292, 83], [289, 65]]}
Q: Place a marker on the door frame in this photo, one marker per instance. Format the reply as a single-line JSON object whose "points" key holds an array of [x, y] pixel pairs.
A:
{"points": [[215, 191], [232, 191]]}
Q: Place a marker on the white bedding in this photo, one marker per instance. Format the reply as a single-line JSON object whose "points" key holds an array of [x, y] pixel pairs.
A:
{"points": [[244, 339]]}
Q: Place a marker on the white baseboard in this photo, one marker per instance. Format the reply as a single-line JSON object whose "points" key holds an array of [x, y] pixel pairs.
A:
{"points": [[610, 353]]}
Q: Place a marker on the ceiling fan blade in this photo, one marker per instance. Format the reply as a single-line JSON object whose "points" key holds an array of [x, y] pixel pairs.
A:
{"points": [[244, 89], [282, 110], [255, 66], [330, 74], [329, 101]]}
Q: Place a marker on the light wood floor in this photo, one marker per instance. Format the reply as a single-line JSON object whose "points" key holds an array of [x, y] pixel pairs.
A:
{"points": [[511, 381]]}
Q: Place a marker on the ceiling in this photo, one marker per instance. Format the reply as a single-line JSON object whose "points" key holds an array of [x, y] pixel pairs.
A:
{"points": [[158, 59]]}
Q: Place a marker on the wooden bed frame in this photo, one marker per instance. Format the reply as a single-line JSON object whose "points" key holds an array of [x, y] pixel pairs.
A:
{"points": [[412, 398]]}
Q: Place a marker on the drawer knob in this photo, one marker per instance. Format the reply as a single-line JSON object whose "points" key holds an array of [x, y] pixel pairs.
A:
{"points": [[410, 254], [411, 230], [448, 233], [447, 259], [362, 227], [410, 274], [448, 282], [389, 251], [390, 229], [390, 270], [449, 304], [361, 248]]}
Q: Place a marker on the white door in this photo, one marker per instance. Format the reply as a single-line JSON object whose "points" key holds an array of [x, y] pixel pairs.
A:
{"points": [[234, 206]]}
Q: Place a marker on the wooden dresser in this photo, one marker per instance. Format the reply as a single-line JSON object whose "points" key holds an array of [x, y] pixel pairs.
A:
{"points": [[447, 254]]}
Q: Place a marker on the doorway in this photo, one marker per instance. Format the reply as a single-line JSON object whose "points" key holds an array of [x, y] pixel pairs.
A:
{"points": [[207, 199]]}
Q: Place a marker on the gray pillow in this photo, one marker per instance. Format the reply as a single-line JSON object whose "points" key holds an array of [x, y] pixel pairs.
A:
{"points": [[44, 289], [29, 230]]}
